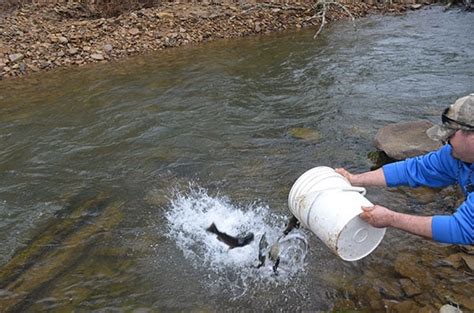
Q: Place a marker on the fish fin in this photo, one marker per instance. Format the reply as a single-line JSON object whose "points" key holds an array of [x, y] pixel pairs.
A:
{"points": [[275, 266]]}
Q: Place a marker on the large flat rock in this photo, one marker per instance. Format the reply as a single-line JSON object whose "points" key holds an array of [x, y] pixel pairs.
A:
{"points": [[404, 140]]}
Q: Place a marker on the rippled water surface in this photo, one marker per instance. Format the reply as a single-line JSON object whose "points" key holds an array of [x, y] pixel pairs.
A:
{"points": [[96, 163]]}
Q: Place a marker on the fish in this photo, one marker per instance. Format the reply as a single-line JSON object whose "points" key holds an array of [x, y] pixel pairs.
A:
{"points": [[262, 250], [273, 252], [231, 241], [274, 255], [292, 223]]}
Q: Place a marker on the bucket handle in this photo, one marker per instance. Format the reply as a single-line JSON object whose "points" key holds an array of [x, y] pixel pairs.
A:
{"points": [[360, 190]]}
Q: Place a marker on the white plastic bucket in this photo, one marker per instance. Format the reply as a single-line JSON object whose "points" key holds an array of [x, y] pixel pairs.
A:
{"points": [[327, 204]]}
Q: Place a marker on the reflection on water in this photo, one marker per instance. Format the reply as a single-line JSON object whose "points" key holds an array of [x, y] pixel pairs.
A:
{"points": [[220, 115]]}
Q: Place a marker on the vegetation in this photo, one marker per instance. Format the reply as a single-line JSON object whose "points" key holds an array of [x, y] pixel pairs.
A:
{"points": [[104, 8]]}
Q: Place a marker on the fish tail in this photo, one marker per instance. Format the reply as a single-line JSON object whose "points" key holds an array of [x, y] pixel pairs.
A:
{"points": [[213, 229]]}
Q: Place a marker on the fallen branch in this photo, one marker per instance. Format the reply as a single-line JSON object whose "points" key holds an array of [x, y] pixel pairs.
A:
{"points": [[322, 14]]}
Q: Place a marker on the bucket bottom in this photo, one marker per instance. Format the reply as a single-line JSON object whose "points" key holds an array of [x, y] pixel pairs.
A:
{"points": [[358, 239]]}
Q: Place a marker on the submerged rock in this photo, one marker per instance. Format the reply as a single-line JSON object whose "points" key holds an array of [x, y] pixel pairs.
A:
{"points": [[305, 133], [409, 288], [469, 261]]}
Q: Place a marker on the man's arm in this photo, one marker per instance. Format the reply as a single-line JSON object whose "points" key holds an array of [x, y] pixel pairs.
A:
{"points": [[372, 178], [379, 216]]}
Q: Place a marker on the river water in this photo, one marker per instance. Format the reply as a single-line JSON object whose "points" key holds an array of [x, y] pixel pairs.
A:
{"points": [[178, 139]]}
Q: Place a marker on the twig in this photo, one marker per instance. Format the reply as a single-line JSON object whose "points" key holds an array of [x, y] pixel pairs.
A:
{"points": [[322, 14]]}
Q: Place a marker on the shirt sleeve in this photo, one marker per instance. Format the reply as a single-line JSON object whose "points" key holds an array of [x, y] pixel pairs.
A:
{"points": [[435, 169], [457, 228]]}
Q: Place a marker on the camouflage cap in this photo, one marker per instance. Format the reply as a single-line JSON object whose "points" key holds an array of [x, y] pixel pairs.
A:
{"points": [[459, 115]]}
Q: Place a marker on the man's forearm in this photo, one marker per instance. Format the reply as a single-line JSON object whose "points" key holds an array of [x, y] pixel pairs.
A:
{"points": [[372, 178], [418, 225]]}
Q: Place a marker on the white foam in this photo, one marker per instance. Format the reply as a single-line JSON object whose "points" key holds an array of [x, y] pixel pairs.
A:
{"points": [[191, 213]]}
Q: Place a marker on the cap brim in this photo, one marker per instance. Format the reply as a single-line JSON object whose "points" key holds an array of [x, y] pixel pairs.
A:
{"points": [[440, 133]]}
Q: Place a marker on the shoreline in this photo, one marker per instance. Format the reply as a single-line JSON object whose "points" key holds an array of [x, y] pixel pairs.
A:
{"points": [[39, 38]]}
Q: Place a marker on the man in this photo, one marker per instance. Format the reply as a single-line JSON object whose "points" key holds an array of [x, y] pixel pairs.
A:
{"points": [[452, 163]]}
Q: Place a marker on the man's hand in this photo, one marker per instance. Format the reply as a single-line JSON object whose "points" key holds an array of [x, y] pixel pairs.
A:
{"points": [[378, 216], [372, 178], [345, 173]]}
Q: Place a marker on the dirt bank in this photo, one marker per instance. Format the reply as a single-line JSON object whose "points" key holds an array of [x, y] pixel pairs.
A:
{"points": [[42, 37]]}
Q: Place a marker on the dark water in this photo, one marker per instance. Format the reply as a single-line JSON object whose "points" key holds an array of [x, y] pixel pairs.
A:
{"points": [[220, 116]]}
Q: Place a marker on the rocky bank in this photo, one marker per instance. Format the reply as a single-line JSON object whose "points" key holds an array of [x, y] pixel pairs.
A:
{"points": [[42, 37]]}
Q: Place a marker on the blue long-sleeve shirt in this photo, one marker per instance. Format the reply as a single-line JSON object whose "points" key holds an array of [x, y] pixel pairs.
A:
{"points": [[440, 169]]}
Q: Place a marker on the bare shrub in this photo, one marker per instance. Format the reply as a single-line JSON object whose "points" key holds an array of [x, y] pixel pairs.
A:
{"points": [[7, 6], [110, 8]]}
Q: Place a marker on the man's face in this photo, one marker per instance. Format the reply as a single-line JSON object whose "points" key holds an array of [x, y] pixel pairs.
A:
{"points": [[462, 143]]}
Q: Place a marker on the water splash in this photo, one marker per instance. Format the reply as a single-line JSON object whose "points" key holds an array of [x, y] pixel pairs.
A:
{"points": [[192, 212]]}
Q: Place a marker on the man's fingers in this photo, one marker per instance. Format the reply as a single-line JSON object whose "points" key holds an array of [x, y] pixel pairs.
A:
{"points": [[367, 209], [366, 214]]}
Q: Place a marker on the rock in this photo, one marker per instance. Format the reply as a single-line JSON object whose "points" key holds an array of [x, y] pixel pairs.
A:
{"points": [[3, 63], [15, 57], [170, 42], [403, 140], [72, 51], [60, 54], [448, 308], [415, 6], [45, 64], [33, 68], [401, 307], [164, 15], [468, 260], [108, 48], [454, 260], [22, 67], [134, 31], [3, 49], [97, 56], [257, 27], [53, 38], [305, 133], [407, 265], [466, 249], [62, 40], [6, 69], [388, 288], [409, 288], [423, 195]]}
